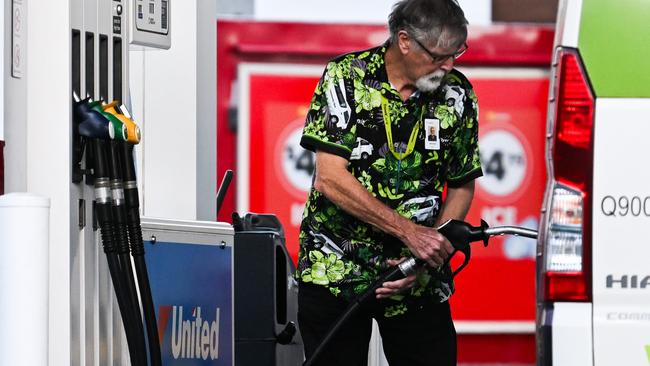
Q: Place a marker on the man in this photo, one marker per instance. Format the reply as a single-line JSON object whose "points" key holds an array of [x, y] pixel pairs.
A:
{"points": [[364, 215], [432, 135]]}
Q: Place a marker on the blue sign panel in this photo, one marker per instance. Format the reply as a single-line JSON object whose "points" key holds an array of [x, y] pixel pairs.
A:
{"points": [[191, 286]]}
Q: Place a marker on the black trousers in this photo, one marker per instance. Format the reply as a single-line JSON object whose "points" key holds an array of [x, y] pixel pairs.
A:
{"points": [[423, 336]]}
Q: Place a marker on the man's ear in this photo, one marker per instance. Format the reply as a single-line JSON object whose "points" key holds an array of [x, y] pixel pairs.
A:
{"points": [[403, 42]]}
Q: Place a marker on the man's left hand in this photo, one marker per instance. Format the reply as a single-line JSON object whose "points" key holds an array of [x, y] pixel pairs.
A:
{"points": [[392, 288]]}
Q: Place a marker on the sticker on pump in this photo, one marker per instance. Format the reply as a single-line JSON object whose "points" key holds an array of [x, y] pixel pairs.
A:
{"points": [[505, 158]]}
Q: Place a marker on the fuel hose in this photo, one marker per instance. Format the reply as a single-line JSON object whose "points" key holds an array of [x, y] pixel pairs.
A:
{"points": [[134, 229], [122, 242], [103, 207], [137, 251]]}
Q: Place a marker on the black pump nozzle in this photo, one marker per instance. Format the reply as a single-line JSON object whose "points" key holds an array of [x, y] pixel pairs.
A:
{"points": [[460, 234]]}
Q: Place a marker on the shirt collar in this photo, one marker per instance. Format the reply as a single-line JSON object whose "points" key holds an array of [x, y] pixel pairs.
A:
{"points": [[382, 76]]}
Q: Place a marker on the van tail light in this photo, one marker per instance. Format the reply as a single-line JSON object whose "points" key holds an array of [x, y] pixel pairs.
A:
{"points": [[567, 246]]}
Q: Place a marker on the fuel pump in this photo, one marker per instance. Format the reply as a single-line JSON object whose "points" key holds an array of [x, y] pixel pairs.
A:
{"points": [[108, 135], [459, 233]]}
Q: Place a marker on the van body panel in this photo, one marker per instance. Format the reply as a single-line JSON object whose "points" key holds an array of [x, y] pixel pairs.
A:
{"points": [[566, 33], [614, 42], [621, 244], [571, 334]]}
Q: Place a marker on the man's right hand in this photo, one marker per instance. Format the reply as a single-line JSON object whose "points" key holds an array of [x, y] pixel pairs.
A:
{"points": [[428, 244]]}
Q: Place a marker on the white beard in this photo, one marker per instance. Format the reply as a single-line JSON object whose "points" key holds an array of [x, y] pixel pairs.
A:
{"points": [[430, 82]]}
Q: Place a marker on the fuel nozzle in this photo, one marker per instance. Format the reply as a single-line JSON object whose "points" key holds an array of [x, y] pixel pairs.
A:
{"points": [[89, 108], [89, 127], [460, 233], [91, 123], [132, 130], [121, 133]]}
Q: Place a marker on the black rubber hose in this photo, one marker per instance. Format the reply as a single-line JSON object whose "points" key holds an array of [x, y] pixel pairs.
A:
{"points": [[149, 310], [137, 251], [223, 188], [122, 246], [393, 274], [105, 219]]}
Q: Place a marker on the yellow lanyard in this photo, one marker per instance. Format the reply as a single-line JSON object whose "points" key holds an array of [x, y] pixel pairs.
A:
{"points": [[389, 132], [410, 146]]}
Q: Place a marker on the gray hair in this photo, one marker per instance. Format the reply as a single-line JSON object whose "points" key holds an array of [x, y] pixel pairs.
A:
{"points": [[439, 22]]}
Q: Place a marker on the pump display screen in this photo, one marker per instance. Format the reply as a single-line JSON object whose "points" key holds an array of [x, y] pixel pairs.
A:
{"points": [[152, 16]]}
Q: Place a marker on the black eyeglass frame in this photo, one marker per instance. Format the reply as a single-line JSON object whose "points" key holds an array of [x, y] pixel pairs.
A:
{"points": [[438, 59]]}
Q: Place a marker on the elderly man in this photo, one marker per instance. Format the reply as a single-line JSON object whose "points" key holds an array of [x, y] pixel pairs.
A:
{"points": [[363, 215]]}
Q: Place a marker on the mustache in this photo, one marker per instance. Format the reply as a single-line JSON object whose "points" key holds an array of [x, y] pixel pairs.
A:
{"points": [[436, 75]]}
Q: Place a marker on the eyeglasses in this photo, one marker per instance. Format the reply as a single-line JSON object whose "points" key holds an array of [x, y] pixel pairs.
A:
{"points": [[438, 59]]}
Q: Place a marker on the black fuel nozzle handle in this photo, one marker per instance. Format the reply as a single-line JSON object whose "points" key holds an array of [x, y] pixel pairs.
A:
{"points": [[461, 234]]}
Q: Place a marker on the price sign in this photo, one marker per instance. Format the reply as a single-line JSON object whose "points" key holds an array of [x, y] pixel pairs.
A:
{"points": [[504, 158]]}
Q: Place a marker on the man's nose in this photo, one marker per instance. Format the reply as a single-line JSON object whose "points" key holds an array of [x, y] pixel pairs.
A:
{"points": [[448, 64]]}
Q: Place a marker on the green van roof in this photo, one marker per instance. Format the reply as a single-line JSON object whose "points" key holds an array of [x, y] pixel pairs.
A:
{"points": [[614, 43]]}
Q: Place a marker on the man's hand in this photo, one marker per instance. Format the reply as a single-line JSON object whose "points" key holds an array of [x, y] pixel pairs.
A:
{"points": [[428, 244], [391, 288]]}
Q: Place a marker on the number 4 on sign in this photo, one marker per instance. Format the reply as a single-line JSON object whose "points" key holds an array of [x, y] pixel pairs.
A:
{"points": [[495, 165], [305, 162]]}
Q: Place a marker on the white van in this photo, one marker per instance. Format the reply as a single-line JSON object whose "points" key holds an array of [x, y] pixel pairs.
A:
{"points": [[420, 209], [339, 109], [362, 149], [593, 254]]}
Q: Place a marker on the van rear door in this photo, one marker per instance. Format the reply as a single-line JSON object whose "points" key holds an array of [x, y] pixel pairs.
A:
{"points": [[614, 42], [594, 296]]}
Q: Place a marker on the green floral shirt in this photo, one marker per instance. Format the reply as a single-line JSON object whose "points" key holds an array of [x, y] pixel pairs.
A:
{"points": [[346, 118]]}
